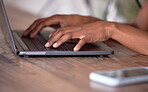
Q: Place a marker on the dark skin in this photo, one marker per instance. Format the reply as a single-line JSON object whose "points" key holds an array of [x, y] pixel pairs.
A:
{"points": [[89, 29]]}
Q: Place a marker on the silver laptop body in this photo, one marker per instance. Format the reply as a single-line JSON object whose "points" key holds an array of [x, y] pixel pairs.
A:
{"points": [[35, 47]]}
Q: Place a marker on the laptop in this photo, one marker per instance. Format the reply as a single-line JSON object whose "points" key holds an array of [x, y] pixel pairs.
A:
{"points": [[25, 46]]}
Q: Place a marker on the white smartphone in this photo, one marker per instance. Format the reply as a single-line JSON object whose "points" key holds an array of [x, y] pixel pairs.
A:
{"points": [[121, 77]]}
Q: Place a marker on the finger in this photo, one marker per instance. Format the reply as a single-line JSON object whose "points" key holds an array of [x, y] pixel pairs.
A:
{"points": [[37, 29], [56, 36], [30, 29], [63, 39], [66, 37], [79, 45], [50, 21], [70, 29], [51, 34], [59, 33]]}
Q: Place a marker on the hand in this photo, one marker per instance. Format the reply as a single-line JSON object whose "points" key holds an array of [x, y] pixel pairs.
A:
{"points": [[92, 32], [62, 20]]}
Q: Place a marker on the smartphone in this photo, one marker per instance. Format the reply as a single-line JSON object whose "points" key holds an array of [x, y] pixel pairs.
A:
{"points": [[121, 77]]}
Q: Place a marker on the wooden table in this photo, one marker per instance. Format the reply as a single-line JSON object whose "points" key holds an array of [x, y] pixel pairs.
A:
{"points": [[61, 74]]}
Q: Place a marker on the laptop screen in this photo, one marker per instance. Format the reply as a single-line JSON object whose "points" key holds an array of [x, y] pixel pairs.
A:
{"points": [[5, 27]]}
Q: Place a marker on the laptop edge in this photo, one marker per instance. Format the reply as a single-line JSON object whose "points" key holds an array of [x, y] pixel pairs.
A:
{"points": [[12, 44]]}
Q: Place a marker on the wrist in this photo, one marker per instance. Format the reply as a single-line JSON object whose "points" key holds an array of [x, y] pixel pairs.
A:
{"points": [[112, 29]]}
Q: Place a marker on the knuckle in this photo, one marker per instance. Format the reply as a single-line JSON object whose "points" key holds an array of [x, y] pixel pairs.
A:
{"points": [[57, 31], [64, 29], [50, 34], [60, 32], [55, 16], [84, 40], [51, 41], [61, 28], [60, 41], [78, 46], [42, 24], [68, 35], [38, 20]]}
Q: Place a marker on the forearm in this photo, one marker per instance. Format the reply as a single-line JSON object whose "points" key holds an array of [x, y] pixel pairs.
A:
{"points": [[141, 20], [131, 37]]}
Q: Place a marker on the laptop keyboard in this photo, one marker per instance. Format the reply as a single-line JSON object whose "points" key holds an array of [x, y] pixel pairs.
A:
{"points": [[37, 44]]}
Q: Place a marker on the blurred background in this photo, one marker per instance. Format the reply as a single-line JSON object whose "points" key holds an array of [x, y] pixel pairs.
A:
{"points": [[112, 10]]}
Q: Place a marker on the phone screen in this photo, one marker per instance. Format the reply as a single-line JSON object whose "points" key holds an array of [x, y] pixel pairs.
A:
{"points": [[126, 73]]}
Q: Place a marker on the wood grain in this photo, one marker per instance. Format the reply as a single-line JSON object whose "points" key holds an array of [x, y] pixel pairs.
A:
{"points": [[61, 74]]}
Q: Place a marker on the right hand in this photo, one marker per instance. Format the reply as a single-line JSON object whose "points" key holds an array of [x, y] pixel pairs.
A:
{"points": [[86, 33], [62, 20]]}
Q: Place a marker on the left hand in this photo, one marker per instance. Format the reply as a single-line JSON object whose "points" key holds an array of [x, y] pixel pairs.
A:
{"points": [[92, 32]]}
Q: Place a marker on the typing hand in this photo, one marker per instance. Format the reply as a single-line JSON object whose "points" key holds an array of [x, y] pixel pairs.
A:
{"points": [[62, 20], [91, 32]]}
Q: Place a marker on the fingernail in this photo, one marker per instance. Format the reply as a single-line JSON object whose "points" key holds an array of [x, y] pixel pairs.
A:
{"points": [[55, 45], [47, 44], [75, 49]]}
